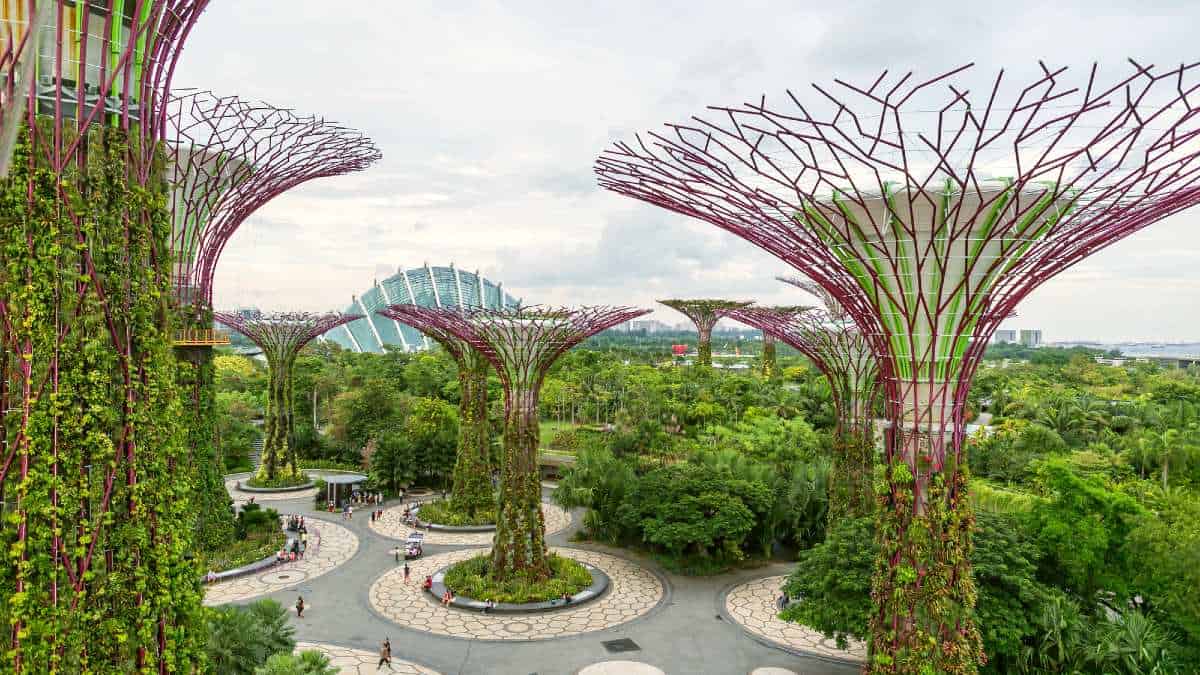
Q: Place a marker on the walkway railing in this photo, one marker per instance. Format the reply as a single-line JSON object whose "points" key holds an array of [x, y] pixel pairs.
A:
{"points": [[200, 337]]}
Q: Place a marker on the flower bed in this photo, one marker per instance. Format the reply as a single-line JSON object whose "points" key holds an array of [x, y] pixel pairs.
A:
{"points": [[442, 513], [277, 483], [471, 578], [243, 551]]}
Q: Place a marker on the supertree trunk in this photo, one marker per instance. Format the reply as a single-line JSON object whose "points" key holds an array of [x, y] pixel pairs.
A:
{"points": [[211, 504], [851, 472], [704, 348], [770, 366], [472, 491], [278, 458], [521, 343], [520, 545], [930, 207]]}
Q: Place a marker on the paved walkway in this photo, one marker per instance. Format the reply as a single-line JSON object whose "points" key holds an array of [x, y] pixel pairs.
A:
{"points": [[752, 605], [391, 524], [361, 662], [633, 592], [329, 545], [687, 632]]}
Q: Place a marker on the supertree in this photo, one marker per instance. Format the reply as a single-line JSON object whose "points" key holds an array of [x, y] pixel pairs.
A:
{"points": [[229, 157], [95, 501], [705, 313], [226, 158], [472, 489], [281, 336], [836, 347], [521, 343], [930, 213]]}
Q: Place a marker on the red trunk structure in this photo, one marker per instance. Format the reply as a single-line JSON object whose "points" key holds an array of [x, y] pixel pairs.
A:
{"points": [[929, 213], [281, 336], [521, 344], [97, 578]]}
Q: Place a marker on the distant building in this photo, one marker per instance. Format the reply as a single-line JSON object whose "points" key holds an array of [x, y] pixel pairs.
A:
{"points": [[1009, 336], [1031, 338], [648, 325]]}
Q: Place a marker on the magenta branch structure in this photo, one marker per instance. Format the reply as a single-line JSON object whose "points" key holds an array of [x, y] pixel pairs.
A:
{"points": [[96, 537], [229, 157], [929, 207], [839, 351], [472, 486], [705, 313], [281, 336], [521, 343]]}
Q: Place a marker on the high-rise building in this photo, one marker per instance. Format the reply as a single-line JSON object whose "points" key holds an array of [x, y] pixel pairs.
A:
{"points": [[1005, 336], [1031, 338]]}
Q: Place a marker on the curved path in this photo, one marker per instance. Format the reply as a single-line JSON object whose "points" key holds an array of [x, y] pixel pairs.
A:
{"points": [[360, 662], [752, 605], [634, 592], [391, 525], [687, 632], [329, 545]]}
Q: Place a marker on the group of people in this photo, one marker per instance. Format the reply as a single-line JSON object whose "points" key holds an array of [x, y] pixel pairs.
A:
{"points": [[367, 498]]}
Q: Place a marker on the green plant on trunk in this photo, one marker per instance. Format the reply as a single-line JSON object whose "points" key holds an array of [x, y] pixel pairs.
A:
{"points": [[521, 344], [99, 517], [770, 365], [281, 336]]}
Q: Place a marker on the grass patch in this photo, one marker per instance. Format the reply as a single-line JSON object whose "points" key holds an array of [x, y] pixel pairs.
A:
{"points": [[472, 579], [441, 512], [276, 482], [253, 548], [329, 465]]}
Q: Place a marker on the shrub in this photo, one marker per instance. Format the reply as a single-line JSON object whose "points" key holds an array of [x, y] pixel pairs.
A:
{"points": [[276, 482], [472, 579], [442, 512], [309, 662], [240, 639]]}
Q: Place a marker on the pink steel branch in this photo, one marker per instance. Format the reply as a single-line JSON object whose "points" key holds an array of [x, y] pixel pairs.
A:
{"points": [[230, 157], [817, 184], [284, 333]]}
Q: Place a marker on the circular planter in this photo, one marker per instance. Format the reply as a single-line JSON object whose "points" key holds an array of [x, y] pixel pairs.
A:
{"points": [[599, 585], [295, 488], [449, 528]]}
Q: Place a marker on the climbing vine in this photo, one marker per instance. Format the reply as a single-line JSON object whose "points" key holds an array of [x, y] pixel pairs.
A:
{"points": [[97, 515], [770, 367], [520, 543], [923, 592], [213, 510], [473, 467], [851, 472]]}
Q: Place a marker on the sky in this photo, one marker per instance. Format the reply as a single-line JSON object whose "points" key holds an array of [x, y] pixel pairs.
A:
{"points": [[490, 116]]}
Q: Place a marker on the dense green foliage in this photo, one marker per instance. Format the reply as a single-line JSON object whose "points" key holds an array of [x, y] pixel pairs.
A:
{"points": [[472, 578], [96, 575], [443, 512], [309, 662], [242, 639]]}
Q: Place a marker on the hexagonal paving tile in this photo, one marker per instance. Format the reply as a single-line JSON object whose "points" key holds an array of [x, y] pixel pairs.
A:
{"points": [[329, 545], [634, 591], [621, 668], [391, 525], [752, 605], [361, 662]]}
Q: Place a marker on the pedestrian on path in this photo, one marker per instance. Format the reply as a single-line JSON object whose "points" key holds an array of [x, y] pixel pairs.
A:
{"points": [[299, 607], [406, 572], [385, 654]]}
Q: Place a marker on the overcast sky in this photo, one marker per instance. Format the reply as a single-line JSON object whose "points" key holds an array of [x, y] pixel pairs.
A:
{"points": [[490, 115]]}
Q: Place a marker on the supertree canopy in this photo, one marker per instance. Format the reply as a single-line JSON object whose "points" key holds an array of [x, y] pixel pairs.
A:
{"points": [[521, 344], [472, 491], [705, 313], [770, 361], [228, 157], [97, 519], [837, 348], [281, 336], [930, 210]]}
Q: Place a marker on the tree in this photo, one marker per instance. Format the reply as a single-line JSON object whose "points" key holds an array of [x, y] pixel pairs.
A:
{"points": [[240, 639]]}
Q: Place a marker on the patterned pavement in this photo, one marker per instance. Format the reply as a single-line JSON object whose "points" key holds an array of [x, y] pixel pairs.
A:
{"points": [[391, 525], [360, 662], [634, 591], [329, 545], [752, 605]]}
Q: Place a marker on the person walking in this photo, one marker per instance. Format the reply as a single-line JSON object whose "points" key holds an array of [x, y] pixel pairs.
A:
{"points": [[299, 607], [385, 654], [406, 572]]}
